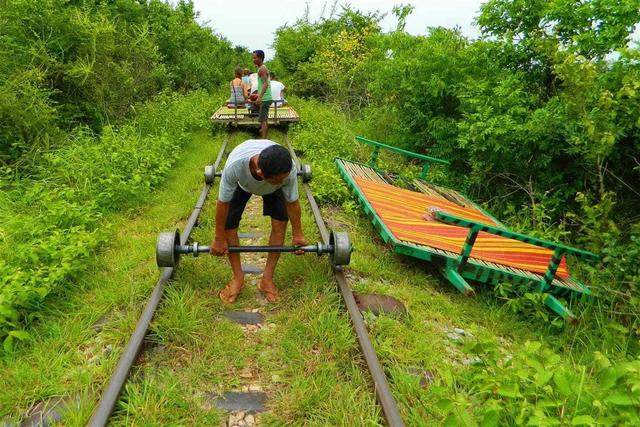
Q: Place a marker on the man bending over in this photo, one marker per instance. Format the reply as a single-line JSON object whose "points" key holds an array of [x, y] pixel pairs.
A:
{"points": [[263, 168]]}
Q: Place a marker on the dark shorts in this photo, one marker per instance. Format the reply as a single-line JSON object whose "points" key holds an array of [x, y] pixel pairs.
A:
{"points": [[273, 205], [263, 115]]}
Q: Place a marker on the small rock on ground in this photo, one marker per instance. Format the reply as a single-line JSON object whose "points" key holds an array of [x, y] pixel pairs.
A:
{"points": [[241, 419]]}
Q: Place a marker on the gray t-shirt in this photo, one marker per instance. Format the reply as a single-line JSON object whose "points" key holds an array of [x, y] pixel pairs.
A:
{"points": [[237, 173]]}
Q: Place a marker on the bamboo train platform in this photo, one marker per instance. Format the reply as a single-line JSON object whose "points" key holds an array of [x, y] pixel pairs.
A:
{"points": [[468, 244], [242, 116]]}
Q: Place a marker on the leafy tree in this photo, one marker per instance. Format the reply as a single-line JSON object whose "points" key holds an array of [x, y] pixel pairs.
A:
{"points": [[329, 59], [539, 116], [87, 62], [591, 28]]}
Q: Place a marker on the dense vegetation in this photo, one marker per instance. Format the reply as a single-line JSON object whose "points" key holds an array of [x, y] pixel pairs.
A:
{"points": [[87, 63], [91, 118], [540, 118]]}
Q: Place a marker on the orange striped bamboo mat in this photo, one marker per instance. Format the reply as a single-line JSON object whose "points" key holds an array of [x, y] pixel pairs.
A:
{"points": [[403, 212]]}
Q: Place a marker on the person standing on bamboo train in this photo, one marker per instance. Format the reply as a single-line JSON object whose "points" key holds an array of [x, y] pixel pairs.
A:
{"points": [[263, 101], [264, 168]]}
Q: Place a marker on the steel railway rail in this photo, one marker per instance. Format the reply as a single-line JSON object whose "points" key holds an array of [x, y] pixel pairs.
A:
{"points": [[111, 393], [381, 385]]}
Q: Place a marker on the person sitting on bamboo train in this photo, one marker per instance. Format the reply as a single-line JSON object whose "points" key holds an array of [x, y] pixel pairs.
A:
{"points": [[263, 99], [277, 90], [239, 92], [253, 84], [263, 168], [246, 80]]}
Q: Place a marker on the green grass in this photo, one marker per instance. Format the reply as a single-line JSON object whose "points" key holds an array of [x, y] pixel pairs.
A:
{"points": [[66, 356], [306, 358]]}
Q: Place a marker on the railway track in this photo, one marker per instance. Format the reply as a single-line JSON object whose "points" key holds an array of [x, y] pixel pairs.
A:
{"points": [[118, 379]]}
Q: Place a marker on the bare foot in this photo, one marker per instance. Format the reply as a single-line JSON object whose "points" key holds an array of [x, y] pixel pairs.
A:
{"points": [[230, 292], [269, 290]]}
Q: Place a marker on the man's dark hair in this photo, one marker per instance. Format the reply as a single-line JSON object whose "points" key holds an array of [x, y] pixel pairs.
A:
{"points": [[274, 160], [259, 54], [272, 75]]}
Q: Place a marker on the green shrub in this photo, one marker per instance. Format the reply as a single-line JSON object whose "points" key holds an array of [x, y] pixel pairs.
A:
{"points": [[47, 235], [52, 223], [536, 386], [323, 134], [70, 63]]}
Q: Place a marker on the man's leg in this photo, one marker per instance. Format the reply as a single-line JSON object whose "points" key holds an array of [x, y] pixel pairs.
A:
{"points": [[273, 206], [233, 288], [236, 208], [264, 119], [278, 231], [264, 129]]}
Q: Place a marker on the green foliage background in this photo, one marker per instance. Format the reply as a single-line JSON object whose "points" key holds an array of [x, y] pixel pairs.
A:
{"points": [[72, 63], [96, 100], [540, 117]]}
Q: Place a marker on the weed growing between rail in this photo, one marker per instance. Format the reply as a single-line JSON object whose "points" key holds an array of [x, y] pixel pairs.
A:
{"points": [[305, 357]]}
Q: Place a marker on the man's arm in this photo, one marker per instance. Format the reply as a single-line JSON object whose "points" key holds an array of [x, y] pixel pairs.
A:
{"points": [[295, 216], [222, 211], [228, 183], [263, 74], [220, 245]]}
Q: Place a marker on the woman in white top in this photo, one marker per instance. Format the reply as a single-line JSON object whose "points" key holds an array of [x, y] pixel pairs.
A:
{"points": [[277, 90]]}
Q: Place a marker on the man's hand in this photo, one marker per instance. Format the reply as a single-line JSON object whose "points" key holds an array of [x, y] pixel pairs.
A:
{"points": [[299, 240], [258, 100], [219, 246]]}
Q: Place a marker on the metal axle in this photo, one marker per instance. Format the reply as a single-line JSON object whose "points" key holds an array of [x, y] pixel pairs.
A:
{"points": [[299, 173], [197, 249], [210, 173], [169, 248]]}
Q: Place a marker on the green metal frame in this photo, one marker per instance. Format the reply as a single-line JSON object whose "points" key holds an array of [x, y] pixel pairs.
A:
{"points": [[559, 250], [426, 160], [459, 268]]}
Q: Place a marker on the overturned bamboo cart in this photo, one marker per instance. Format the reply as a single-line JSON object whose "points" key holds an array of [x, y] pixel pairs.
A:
{"points": [[235, 115], [439, 224]]}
